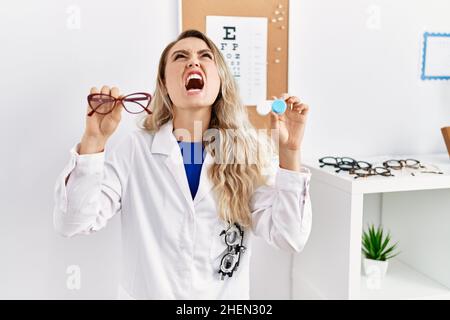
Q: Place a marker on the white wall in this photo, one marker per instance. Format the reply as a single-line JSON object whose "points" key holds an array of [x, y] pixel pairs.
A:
{"points": [[46, 72], [359, 71], [361, 83]]}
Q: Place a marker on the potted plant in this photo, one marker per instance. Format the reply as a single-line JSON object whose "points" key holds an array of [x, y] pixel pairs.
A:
{"points": [[377, 250]]}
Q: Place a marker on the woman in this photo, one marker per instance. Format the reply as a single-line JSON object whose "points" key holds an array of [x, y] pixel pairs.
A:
{"points": [[186, 230]]}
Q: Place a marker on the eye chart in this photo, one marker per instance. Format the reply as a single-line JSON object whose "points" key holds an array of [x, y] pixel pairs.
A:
{"points": [[243, 43], [270, 61]]}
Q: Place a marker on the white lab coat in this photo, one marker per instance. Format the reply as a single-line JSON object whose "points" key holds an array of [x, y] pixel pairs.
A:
{"points": [[171, 248]]}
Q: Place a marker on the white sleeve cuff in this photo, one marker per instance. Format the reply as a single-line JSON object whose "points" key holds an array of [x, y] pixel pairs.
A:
{"points": [[291, 180], [88, 163]]}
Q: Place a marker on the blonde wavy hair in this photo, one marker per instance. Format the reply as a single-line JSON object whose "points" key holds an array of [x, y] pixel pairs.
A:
{"points": [[234, 181]]}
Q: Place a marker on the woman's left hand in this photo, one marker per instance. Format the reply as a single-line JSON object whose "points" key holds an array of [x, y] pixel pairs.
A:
{"points": [[291, 124]]}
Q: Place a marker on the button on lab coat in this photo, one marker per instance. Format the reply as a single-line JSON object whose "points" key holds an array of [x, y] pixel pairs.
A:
{"points": [[171, 244]]}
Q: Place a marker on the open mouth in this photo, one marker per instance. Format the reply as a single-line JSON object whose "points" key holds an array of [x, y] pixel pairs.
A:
{"points": [[194, 82]]}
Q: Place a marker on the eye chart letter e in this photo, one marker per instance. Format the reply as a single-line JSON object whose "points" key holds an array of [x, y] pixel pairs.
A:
{"points": [[243, 43]]}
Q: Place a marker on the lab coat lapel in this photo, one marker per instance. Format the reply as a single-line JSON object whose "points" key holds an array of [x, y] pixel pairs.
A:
{"points": [[205, 184], [164, 142], [174, 163]]}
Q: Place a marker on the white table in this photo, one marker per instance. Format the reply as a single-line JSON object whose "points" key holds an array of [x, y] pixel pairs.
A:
{"points": [[416, 210]]}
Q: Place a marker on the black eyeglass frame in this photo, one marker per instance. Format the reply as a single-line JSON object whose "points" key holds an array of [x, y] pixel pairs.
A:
{"points": [[344, 163], [235, 248]]}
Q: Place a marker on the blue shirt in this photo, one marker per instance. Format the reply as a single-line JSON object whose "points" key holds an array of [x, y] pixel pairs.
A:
{"points": [[193, 156]]}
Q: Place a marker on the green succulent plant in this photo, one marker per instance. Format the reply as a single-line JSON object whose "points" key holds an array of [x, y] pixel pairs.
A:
{"points": [[376, 246]]}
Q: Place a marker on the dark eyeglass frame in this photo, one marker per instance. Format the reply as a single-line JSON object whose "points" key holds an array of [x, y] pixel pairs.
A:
{"points": [[362, 173], [95, 96], [344, 163], [365, 169], [403, 164], [233, 237]]}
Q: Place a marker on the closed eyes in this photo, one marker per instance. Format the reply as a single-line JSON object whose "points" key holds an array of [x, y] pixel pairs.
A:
{"points": [[177, 56]]}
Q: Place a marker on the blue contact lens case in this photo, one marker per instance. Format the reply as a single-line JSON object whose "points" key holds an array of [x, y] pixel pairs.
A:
{"points": [[279, 106]]}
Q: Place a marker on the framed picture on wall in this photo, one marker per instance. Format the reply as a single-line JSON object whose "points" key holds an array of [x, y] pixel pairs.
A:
{"points": [[436, 56]]}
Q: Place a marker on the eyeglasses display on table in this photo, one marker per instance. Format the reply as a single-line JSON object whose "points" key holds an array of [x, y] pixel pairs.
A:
{"points": [[363, 173], [362, 169], [399, 164], [134, 103], [344, 163], [233, 237]]}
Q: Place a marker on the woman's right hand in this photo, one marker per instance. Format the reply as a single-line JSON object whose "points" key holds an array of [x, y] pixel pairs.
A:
{"points": [[99, 127]]}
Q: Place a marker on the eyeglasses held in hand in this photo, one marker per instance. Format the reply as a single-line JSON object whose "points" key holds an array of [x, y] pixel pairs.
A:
{"points": [[234, 237], [133, 103]]}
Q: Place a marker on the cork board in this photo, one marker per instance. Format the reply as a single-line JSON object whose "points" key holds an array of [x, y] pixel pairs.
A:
{"points": [[193, 15]]}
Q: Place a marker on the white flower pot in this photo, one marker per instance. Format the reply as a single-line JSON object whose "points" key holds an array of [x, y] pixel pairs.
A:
{"points": [[375, 268]]}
